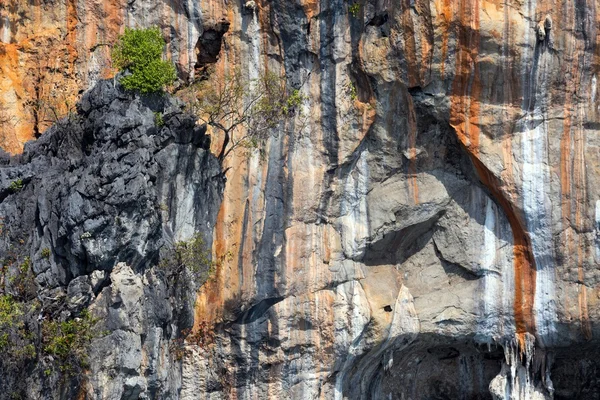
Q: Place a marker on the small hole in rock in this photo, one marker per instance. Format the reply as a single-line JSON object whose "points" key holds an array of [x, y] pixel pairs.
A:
{"points": [[387, 308]]}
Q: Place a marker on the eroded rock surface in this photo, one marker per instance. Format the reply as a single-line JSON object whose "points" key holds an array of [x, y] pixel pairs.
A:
{"points": [[104, 195], [426, 228]]}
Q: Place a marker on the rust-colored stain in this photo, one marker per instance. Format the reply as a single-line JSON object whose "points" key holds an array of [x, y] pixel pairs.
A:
{"points": [[231, 280], [71, 38], [464, 118], [311, 8], [573, 180], [264, 10], [523, 263], [426, 35], [47, 61], [446, 12], [466, 87], [210, 298], [410, 46], [412, 148], [580, 211], [367, 107]]}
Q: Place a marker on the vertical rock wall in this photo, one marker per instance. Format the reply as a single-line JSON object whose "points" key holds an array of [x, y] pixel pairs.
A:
{"points": [[429, 225]]}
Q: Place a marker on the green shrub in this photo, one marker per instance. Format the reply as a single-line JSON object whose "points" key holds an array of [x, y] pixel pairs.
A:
{"points": [[45, 252], [354, 9], [192, 254], [68, 341], [16, 185], [352, 89], [293, 101], [16, 341], [140, 52], [22, 281], [158, 119]]}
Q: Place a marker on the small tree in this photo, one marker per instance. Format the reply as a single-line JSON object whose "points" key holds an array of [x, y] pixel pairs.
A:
{"points": [[243, 110], [140, 52], [191, 255]]}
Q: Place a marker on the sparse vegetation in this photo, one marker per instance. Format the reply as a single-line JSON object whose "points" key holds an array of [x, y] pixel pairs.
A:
{"points": [[352, 89], [243, 111], [139, 51], [45, 252], [16, 339], [68, 341], [22, 282], [354, 9], [158, 119], [191, 255], [16, 185]]}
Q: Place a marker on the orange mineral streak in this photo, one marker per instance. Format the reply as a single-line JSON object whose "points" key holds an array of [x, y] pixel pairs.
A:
{"points": [[412, 149], [71, 38], [464, 118], [367, 109], [225, 283], [311, 8], [49, 60], [410, 47], [12, 134], [523, 262], [423, 12], [115, 25], [466, 87], [231, 281], [573, 181], [580, 211], [445, 12]]}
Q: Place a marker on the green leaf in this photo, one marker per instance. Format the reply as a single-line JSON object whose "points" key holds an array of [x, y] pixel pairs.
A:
{"points": [[140, 52]]}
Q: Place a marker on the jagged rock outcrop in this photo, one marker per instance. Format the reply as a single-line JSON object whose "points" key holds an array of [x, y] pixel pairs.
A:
{"points": [[105, 194], [426, 228]]}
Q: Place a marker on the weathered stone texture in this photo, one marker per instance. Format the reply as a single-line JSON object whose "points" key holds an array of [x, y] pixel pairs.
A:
{"points": [[105, 194], [428, 228]]}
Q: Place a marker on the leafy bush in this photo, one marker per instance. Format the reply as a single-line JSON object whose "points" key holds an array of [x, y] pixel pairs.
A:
{"points": [[68, 341], [158, 120], [15, 339], [16, 185], [45, 252], [140, 52], [352, 89]]}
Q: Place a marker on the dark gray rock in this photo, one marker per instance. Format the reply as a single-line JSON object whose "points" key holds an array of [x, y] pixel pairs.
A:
{"points": [[108, 187]]}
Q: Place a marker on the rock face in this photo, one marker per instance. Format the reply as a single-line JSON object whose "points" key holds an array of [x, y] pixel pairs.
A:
{"points": [[428, 228], [103, 195]]}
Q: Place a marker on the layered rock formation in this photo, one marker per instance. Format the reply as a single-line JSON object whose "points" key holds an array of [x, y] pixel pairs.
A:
{"points": [[426, 228]]}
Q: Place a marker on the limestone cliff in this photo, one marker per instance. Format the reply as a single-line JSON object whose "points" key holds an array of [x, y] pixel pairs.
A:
{"points": [[432, 230]]}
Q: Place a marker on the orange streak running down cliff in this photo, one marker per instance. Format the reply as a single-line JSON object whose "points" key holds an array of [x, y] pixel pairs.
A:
{"points": [[464, 118], [446, 14], [72, 31], [466, 87], [523, 262], [412, 150]]}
